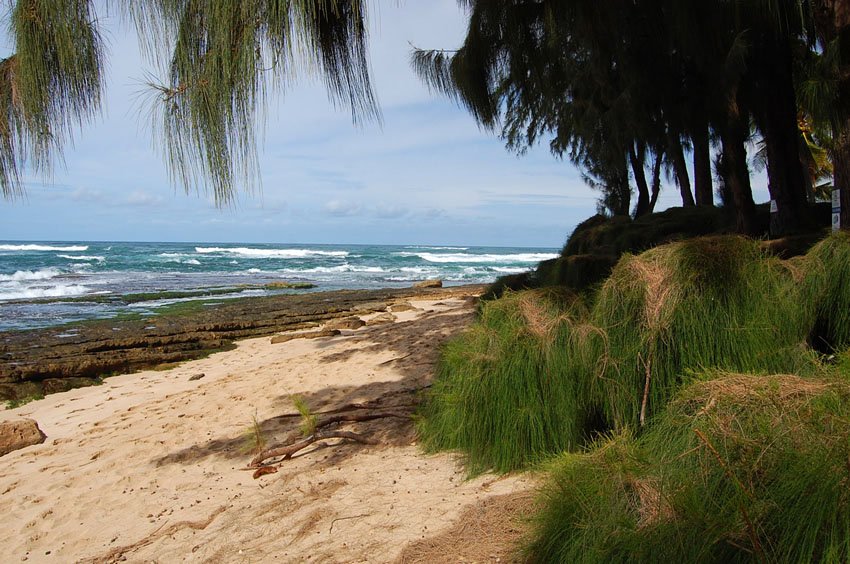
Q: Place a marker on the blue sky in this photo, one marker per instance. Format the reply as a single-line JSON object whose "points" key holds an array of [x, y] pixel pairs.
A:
{"points": [[427, 176]]}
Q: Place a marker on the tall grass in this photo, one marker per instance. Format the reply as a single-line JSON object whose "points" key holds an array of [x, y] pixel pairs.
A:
{"points": [[828, 284], [515, 387], [537, 375], [714, 302], [738, 469]]}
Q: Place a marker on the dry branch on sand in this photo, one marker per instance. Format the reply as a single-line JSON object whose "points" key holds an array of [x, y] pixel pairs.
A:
{"points": [[291, 446]]}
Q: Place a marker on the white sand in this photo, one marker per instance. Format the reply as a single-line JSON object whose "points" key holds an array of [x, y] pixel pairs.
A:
{"points": [[149, 466]]}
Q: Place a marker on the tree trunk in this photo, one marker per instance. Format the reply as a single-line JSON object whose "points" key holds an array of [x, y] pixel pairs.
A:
{"points": [[841, 151], [841, 172], [776, 114], [656, 181], [733, 135], [640, 179], [674, 148], [703, 189]]}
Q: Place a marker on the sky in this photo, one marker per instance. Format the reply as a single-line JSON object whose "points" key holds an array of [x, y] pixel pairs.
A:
{"points": [[426, 175]]}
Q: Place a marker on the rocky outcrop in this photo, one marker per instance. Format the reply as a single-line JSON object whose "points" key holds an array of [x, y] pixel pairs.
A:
{"points": [[401, 306], [382, 318], [346, 323], [429, 284], [19, 433], [370, 307], [304, 335], [43, 361]]}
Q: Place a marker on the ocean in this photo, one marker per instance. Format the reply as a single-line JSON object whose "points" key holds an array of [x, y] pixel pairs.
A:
{"points": [[45, 284]]}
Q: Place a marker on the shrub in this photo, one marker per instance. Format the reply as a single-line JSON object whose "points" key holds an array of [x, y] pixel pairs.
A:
{"points": [[713, 302], [738, 469], [828, 286], [514, 387]]}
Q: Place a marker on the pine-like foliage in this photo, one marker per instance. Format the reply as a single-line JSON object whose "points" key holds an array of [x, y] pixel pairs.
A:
{"points": [[514, 388], [828, 284], [739, 468], [709, 302], [50, 86], [221, 58], [535, 376], [217, 62]]}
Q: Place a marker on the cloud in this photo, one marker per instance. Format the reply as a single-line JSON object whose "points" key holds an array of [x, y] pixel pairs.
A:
{"points": [[342, 208], [390, 211], [141, 198], [87, 195], [434, 213]]}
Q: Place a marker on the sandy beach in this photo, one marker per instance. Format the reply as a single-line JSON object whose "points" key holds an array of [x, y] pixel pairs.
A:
{"points": [[152, 466]]}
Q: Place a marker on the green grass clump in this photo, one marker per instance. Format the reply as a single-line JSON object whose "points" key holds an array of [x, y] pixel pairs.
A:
{"points": [[537, 375], [706, 303], [308, 418], [513, 388], [739, 468], [18, 402], [828, 281]]}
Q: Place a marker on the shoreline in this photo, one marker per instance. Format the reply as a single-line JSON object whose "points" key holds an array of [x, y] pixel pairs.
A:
{"points": [[151, 464], [43, 361]]}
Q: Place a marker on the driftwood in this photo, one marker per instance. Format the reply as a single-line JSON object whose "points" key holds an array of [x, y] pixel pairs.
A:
{"points": [[287, 451], [348, 413], [358, 417], [263, 470], [291, 446]]}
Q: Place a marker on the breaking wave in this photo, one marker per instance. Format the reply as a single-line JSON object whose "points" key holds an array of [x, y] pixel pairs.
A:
{"points": [[31, 247], [270, 253]]}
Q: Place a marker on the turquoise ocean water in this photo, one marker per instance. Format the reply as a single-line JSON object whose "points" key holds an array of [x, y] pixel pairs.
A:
{"points": [[49, 283]]}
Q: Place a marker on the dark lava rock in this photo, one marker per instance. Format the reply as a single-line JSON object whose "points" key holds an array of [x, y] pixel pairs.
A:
{"points": [[43, 361]]}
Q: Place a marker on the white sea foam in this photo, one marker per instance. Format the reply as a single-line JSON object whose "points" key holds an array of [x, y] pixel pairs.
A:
{"points": [[22, 275], [508, 269], [59, 291], [336, 269], [82, 257], [468, 258], [427, 248], [270, 253], [191, 261], [71, 248]]}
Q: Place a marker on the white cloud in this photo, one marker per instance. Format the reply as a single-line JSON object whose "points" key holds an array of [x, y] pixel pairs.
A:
{"points": [[141, 198], [342, 208], [391, 211], [87, 195]]}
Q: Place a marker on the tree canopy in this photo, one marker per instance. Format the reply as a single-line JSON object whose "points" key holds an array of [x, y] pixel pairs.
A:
{"points": [[629, 91], [216, 62], [622, 87]]}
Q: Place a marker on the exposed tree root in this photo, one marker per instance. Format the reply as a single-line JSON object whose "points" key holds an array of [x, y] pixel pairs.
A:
{"points": [[348, 413], [287, 451]]}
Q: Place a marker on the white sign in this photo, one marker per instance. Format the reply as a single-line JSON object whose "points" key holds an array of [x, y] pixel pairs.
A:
{"points": [[773, 207], [836, 199], [836, 221]]}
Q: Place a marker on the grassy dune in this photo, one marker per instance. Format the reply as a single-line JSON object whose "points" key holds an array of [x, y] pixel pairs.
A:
{"points": [[738, 468], [695, 405]]}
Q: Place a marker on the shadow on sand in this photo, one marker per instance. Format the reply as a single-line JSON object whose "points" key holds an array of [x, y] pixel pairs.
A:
{"points": [[406, 352]]}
